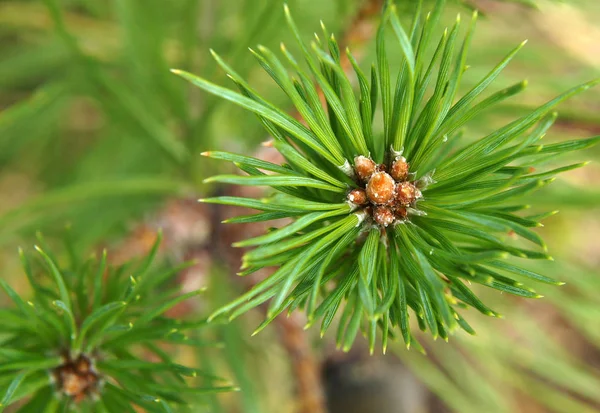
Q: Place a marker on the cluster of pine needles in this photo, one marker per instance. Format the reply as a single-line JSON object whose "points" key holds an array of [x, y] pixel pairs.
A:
{"points": [[414, 242]]}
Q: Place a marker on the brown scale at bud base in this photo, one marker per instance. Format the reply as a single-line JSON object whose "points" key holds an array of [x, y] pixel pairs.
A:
{"points": [[364, 167], [406, 193], [383, 216], [399, 170], [380, 189], [358, 196]]}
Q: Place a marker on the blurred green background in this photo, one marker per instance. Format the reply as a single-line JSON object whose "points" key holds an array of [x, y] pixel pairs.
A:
{"points": [[97, 134]]}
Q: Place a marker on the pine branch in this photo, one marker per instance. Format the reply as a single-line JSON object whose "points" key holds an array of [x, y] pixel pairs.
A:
{"points": [[417, 221], [88, 335]]}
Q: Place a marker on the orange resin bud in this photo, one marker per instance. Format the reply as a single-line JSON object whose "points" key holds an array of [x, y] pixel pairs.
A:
{"points": [[383, 216], [76, 379], [399, 170], [401, 213], [364, 167], [380, 189], [82, 365], [406, 193], [358, 196], [73, 384]]}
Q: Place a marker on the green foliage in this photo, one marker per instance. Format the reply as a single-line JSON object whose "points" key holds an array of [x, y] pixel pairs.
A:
{"points": [[76, 147], [91, 114], [87, 337], [456, 230], [476, 375]]}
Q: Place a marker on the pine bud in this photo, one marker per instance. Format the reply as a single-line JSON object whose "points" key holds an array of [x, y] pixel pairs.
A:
{"points": [[401, 213], [399, 170], [383, 215], [380, 189], [358, 196], [76, 379], [406, 193], [364, 167]]}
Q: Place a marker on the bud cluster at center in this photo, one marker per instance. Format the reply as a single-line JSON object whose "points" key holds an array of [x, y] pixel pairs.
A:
{"points": [[385, 192]]}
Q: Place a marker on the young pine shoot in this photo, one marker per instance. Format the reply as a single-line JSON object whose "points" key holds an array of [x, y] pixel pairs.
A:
{"points": [[96, 339], [398, 224]]}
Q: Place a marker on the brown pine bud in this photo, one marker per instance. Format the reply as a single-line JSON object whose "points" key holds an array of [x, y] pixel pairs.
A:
{"points": [[75, 378], [383, 216], [364, 167], [380, 189], [82, 364], [73, 384], [399, 170], [381, 167], [401, 213], [406, 193], [358, 196]]}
